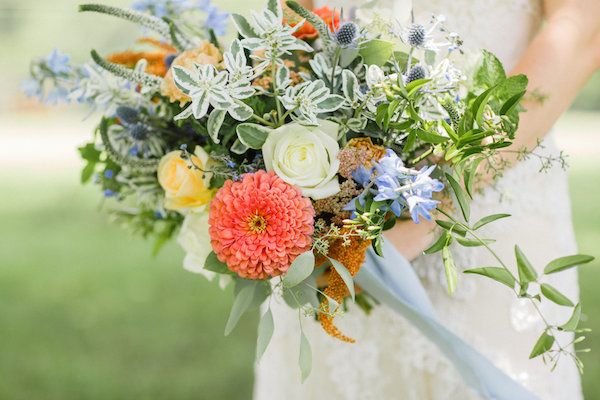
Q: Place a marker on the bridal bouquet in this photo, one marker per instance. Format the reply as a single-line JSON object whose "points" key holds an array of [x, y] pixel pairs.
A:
{"points": [[280, 157]]}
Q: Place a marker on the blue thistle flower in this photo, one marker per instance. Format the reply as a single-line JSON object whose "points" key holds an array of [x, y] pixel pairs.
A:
{"points": [[416, 35], [417, 72], [346, 34]]}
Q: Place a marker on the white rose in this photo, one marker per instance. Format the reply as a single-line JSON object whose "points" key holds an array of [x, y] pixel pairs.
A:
{"points": [[195, 241], [305, 156]]}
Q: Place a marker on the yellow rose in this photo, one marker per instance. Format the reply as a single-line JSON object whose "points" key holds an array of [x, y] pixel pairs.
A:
{"points": [[207, 53], [185, 188]]}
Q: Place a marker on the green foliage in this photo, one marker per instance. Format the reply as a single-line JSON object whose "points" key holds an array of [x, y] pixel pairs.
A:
{"points": [[266, 326], [148, 21], [527, 273], [248, 295], [92, 157], [563, 263], [376, 52], [543, 345], [301, 268], [305, 358], [449, 269], [553, 294], [496, 273], [461, 196], [252, 136], [213, 264]]}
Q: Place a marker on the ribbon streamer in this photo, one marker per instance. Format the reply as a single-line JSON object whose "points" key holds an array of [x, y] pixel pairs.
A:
{"points": [[392, 281]]}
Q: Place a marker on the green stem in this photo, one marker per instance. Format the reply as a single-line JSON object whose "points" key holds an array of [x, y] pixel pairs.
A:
{"points": [[275, 94], [263, 121], [549, 327]]}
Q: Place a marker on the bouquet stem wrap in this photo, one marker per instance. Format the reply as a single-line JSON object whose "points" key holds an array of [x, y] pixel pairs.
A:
{"points": [[392, 281]]}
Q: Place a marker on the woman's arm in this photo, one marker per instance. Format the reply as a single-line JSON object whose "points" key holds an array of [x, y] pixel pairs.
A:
{"points": [[558, 62]]}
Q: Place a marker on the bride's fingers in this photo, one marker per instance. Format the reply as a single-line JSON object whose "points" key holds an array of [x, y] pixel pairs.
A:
{"points": [[410, 239]]}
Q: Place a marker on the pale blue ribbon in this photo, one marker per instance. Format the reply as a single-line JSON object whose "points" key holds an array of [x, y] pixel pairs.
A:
{"points": [[392, 281]]}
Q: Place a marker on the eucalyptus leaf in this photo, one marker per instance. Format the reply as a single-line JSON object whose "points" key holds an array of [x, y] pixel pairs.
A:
{"points": [[213, 264], [241, 304], [345, 275], [573, 322], [376, 52], [215, 121], [543, 344], [301, 295], [300, 269], [560, 264], [490, 218], [305, 359], [496, 273], [266, 327], [526, 271], [552, 294], [461, 196]]}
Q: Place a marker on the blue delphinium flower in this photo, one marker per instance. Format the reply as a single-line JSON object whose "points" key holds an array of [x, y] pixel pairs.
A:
{"points": [[419, 206], [391, 165], [418, 196], [362, 176], [58, 62], [216, 20], [388, 188], [32, 88]]}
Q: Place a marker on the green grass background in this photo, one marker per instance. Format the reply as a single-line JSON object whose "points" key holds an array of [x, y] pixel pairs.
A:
{"points": [[87, 313]]}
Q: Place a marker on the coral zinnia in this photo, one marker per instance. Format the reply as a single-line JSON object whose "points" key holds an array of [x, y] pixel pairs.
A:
{"points": [[259, 225]]}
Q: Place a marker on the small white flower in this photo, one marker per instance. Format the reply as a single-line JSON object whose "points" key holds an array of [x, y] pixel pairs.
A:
{"points": [[195, 241]]}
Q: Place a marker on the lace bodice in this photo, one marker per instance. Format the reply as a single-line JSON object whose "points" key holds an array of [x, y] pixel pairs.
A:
{"points": [[391, 359]]}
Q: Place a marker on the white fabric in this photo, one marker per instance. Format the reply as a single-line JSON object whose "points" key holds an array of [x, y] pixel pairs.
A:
{"points": [[391, 360]]}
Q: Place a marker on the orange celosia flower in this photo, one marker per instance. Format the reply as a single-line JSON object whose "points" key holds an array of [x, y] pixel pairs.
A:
{"points": [[155, 58], [307, 31], [352, 256]]}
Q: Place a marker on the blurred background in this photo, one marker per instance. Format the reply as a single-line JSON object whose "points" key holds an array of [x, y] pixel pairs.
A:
{"points": [[85, 311]]}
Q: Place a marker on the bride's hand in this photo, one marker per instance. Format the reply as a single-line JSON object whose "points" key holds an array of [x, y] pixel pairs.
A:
{"points": [[411, 239]]}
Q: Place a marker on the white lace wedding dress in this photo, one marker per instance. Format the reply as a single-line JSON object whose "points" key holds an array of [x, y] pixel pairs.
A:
{"points": [[391, 360]]}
